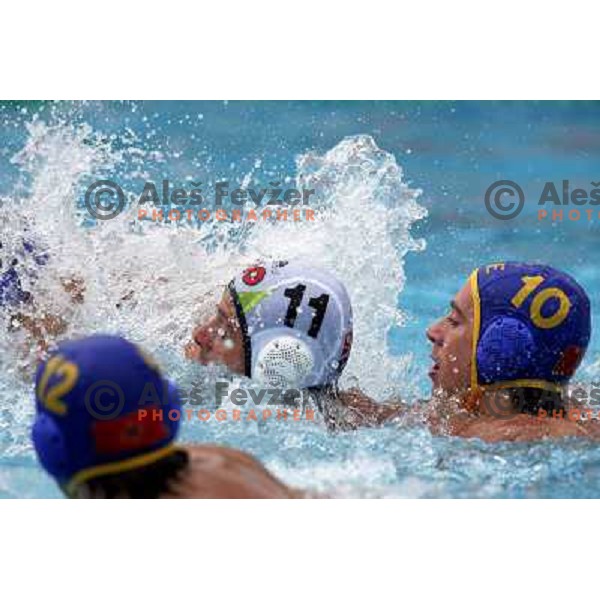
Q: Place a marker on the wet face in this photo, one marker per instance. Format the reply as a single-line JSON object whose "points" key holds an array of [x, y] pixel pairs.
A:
{"points": [[219, 339], [452, 337]]}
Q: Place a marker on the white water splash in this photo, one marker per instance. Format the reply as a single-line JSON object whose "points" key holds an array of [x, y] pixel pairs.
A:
{"points": [[165, 278], [363, 234]]}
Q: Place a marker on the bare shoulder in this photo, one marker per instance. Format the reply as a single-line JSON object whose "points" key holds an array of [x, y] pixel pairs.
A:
{"points": [[521, 428], [220, 472]]}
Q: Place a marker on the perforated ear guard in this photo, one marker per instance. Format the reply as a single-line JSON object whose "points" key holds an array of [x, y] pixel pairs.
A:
{"points": [[287, 361], [505, 349]]}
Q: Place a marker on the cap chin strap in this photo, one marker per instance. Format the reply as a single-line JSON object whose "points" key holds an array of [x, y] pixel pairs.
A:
{"points": [[241, 317]]}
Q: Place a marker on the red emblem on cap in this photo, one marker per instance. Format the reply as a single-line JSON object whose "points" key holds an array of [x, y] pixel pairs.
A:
{"points": [[254, 275], [128, 433], [568, 362]]}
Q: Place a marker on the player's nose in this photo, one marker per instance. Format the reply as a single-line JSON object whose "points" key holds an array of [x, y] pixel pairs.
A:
{"points": [[435, 333], [202, 336]]}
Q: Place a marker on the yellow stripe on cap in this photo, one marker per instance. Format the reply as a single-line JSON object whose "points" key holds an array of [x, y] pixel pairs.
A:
{"points": [[120, 466], [476, 327], [539, 384]]}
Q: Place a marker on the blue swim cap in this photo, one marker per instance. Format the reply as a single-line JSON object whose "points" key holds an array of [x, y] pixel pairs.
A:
{"points": [[91, 396], [531, 327], [11, 290], [17, 265], [296, 322]]}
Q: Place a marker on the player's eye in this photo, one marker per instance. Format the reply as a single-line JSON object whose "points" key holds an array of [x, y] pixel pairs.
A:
{"points": [[453, 322]]}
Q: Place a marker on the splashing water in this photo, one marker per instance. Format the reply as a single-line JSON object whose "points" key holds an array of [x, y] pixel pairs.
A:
{"points": [[362, 235], [166, 277], [153, 281]]}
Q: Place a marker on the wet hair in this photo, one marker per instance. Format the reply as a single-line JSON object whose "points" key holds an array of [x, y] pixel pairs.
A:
{"points": [[151, 481], [530, 401]]}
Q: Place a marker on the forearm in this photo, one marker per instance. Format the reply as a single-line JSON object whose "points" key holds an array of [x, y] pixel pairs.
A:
{"points": [[363, 411]]}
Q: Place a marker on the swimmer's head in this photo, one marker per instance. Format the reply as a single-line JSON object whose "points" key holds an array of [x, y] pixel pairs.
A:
{"points": [[285, 324], [94, 412], [451, 337], [513, 325]]}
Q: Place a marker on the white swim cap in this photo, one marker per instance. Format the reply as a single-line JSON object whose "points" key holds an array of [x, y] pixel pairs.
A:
{"points": [[296, 324]]}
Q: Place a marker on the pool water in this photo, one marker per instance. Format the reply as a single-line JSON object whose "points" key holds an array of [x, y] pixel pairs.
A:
{"points": [[400, 189]]}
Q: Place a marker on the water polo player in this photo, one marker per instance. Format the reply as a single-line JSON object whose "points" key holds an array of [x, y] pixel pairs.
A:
{"points": [[128, 452], [282, 323], [289, 325], [515, 335], [286, 325]]}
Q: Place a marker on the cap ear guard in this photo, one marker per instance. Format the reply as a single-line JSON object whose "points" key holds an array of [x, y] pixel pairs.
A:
{"points": [[285, 362], [50, 446], [505, 349]]}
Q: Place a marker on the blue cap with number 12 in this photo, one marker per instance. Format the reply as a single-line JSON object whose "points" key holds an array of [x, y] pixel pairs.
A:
{"points": [[97, 401]]}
